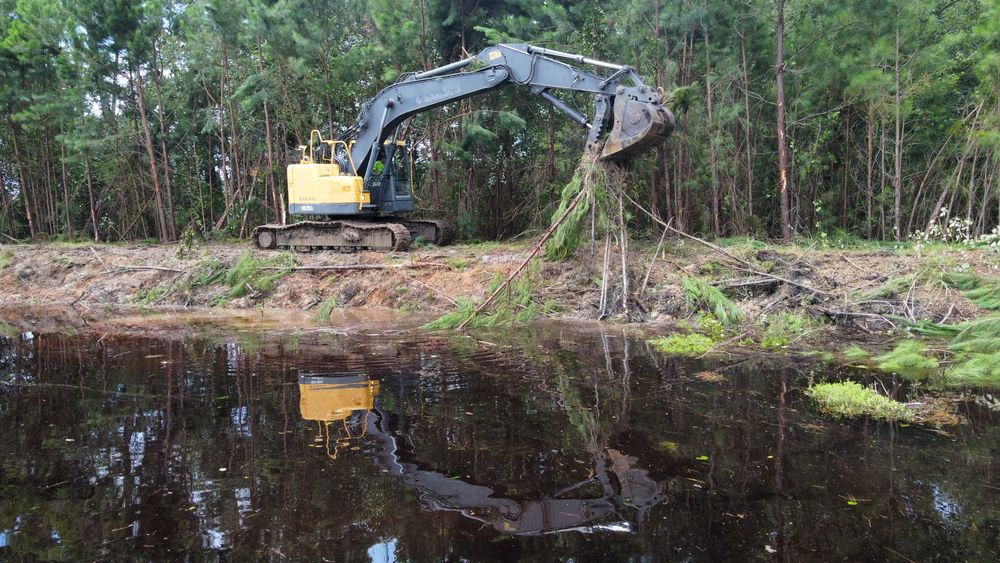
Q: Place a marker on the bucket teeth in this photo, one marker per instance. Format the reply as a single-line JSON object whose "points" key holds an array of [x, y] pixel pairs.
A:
{"points": [[637, 127]]}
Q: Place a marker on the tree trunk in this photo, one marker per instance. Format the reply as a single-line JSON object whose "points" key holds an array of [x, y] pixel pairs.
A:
{"points": [[713, 150], [897, 153], [746, 126], [23, 184], [779, 72], [90, 197], [870, 161], [154, 174], [167, 182], [65, 184]]}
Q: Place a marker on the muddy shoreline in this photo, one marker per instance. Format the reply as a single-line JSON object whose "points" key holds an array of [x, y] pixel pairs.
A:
{"points": [[149, 285]]}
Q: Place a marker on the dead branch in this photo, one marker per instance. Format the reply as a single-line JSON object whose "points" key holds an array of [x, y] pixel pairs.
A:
{"points": [[538, 246]]}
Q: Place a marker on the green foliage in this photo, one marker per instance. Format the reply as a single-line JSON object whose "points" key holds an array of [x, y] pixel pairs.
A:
{"points": [[908, 359], [691, 344], [149, 296], [700, 295], [850, 399], [256, 275], [458, 264]]}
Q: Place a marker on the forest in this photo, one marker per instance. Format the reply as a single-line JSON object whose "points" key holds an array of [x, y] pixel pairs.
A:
{"points": [[125, 120]]}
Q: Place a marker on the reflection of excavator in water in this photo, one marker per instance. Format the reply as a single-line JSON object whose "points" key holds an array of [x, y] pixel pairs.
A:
{"points": [[362, 180], [350, 401]]}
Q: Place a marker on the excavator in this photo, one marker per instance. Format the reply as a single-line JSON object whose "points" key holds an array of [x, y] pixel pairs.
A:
{"points": [[358, 183]]}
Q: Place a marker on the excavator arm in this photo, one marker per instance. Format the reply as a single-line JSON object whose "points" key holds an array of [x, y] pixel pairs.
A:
{"points": [[628, 116]]}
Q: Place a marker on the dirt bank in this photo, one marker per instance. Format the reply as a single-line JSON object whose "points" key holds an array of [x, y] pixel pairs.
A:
{"points": [[855, 289]]}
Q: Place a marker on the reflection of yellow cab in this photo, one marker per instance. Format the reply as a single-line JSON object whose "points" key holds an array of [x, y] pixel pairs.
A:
{"points": [[328, 400]]}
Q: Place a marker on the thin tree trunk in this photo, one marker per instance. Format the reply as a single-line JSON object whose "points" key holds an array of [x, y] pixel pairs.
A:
{"points": [[167, 182], [870, 161], [897, 153], [746, 126], [23, 184], [65, 184], [713, 151], [779, 70], [154, 174], [90, 197], [279, 212]]}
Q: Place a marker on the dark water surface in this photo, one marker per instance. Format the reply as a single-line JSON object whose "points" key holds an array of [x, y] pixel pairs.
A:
{"points": [[543, 444]]}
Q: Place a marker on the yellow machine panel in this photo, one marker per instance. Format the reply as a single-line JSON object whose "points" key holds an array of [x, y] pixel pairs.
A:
{"points": [[320, 189]]}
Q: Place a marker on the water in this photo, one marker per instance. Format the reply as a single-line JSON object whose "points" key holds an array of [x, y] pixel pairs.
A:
{"points": [[545, 444]]}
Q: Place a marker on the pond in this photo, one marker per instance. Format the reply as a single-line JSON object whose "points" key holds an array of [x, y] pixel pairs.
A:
{"points": [[548, 443]]}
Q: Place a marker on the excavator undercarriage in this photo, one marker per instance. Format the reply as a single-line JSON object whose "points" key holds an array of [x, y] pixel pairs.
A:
{"points": [[360, 182], [353, 235]]}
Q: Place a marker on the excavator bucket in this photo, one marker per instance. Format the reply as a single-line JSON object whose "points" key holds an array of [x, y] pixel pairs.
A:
{"points": [[638, 126]]}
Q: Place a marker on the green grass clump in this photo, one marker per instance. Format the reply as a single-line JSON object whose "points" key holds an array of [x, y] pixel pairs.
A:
{"points": [[700, 295], [692, 344], [515, 306], [260, 274], [325, 308], [458, 264], [849, 399], [6, 257], [150, 296], [908, 360], [782, 329]]}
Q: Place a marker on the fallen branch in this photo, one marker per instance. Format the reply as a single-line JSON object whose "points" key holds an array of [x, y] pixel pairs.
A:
{"points": [[538, 246], [118, 269], [410, 266]]}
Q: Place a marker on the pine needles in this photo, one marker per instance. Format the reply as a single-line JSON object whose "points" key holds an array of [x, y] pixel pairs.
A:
{"points": [[591, 177], [908, 359], [983, 292], [256, 275], [700, 295]]}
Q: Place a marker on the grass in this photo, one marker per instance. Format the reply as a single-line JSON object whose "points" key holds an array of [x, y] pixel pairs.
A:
{"points": [[700, 295], [691, 344], [849, 399], [6, 257]]}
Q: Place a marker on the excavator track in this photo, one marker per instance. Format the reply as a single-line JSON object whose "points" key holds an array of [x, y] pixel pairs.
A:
{"points": [[340, 235], [436, 231]]}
